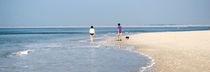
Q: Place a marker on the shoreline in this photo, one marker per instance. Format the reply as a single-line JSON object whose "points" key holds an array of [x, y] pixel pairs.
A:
{"points": [[147, 68], [173, 51]]}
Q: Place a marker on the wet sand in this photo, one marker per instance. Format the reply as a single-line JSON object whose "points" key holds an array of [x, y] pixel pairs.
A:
{"points": [[187, 51]]}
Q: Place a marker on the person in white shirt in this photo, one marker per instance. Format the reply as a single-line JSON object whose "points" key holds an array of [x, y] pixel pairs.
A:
{"points": [[92, 33]]}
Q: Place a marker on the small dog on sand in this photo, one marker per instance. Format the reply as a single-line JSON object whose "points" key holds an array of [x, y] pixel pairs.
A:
{"points": [[127, 37]]}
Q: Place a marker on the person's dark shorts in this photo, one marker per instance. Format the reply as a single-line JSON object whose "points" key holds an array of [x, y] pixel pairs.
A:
{"points": [[91, 33]]}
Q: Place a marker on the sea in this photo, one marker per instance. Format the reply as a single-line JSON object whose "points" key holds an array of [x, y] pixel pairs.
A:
{"points": [[70, 50]]}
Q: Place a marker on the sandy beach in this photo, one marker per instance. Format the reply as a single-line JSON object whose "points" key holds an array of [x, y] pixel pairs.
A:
{"points": [[187, 51]]}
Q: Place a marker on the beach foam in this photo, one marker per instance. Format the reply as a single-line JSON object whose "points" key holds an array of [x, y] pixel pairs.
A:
{"points": [[24, 52]]}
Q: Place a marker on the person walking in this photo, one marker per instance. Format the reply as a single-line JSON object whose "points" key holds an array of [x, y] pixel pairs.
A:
{"points": [[119, 32], [92, 33]]}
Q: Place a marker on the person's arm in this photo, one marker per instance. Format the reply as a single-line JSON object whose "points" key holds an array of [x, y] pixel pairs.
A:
{"points": [[94, 31], [118, 30]]}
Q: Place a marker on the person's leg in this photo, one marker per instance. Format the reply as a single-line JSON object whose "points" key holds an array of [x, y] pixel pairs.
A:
{"points": [[91, 38], [120, 36]]}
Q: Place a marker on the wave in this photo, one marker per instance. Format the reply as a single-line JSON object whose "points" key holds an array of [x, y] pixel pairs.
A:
{"points": [[149, 65], [24, 52]]}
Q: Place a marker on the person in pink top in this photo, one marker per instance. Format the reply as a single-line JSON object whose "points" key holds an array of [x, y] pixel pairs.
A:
{"points": [[119, 32]]}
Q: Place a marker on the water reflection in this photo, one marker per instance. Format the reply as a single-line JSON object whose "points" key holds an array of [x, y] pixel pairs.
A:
{"points": [[120, 46]]}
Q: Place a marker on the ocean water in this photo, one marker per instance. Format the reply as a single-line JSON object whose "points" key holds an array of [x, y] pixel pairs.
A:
{"points": [[70, 50]]}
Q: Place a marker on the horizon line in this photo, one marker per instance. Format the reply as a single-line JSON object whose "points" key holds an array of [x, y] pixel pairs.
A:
{"points": [[106, 26]]}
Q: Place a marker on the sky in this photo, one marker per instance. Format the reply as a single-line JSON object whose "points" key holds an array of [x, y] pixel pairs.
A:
{"points": [[103, 12]]}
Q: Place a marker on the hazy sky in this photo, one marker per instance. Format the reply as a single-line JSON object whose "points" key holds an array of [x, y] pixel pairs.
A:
{"points": [[103, 12]]}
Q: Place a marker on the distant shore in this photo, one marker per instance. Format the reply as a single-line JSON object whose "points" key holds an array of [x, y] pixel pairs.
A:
{"points": [[187, 51]]}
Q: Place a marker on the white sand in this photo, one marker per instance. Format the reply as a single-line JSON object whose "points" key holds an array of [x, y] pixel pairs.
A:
{"points": [[174, 51]]}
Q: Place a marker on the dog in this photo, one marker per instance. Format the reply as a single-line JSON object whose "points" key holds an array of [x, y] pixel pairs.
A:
{"points": [[127, 37]]}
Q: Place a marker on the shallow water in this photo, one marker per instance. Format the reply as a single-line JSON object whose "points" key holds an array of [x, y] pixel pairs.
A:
{"points": [[57, 53], [68, 50]]}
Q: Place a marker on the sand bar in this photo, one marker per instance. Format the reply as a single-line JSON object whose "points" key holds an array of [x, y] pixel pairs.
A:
{"points": [[187, 51]]}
